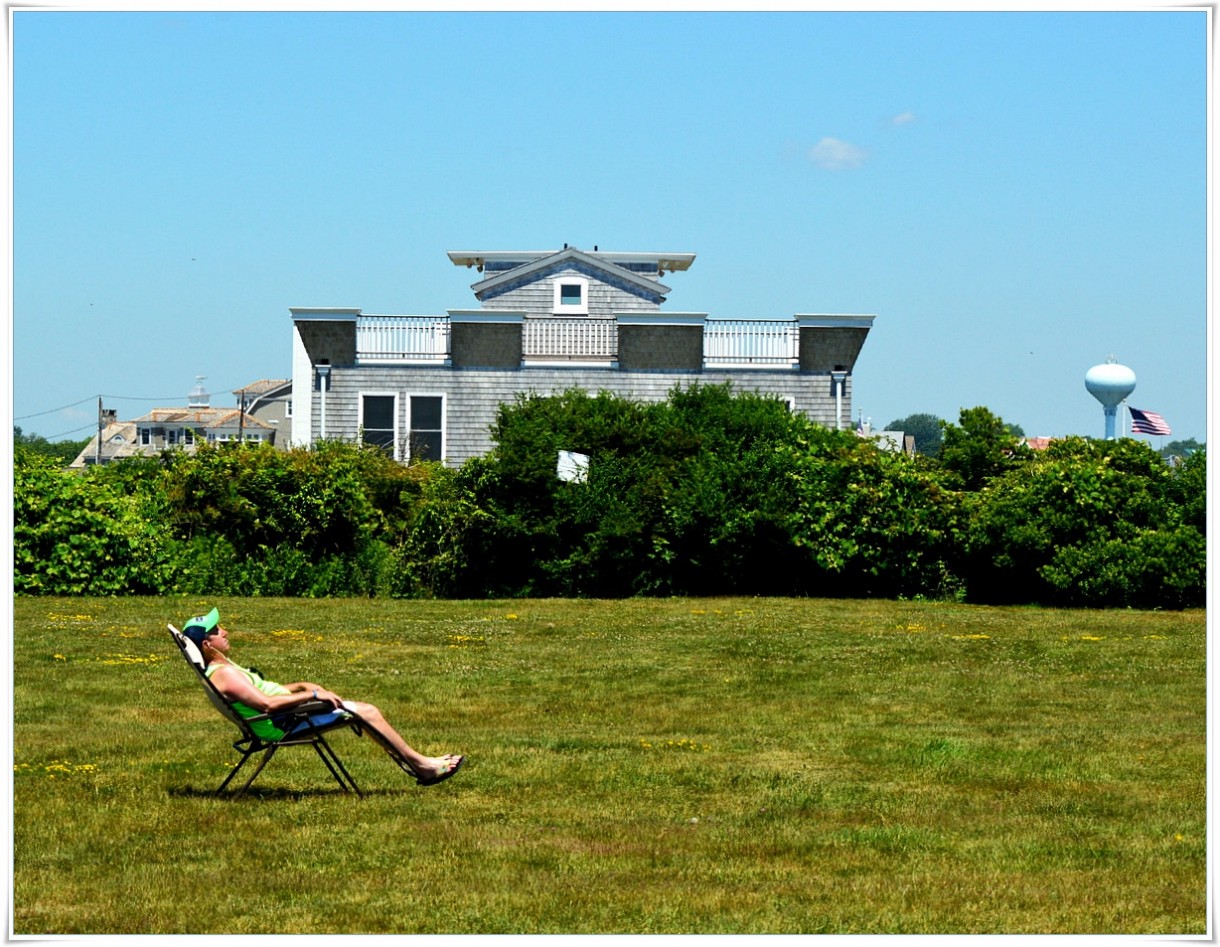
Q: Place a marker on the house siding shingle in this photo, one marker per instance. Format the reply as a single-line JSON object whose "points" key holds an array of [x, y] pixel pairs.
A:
{"points": [[537, 298], [473, 396]]}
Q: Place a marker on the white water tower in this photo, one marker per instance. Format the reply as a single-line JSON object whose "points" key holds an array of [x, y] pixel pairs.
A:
{"points": [[1110, 383]]}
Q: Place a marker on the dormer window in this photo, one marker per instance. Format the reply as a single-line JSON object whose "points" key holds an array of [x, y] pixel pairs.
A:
{"points": [[571, 296]]}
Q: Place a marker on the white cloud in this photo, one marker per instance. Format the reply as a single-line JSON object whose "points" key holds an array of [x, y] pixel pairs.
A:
{"points": [[834, 155], [904, 119]]}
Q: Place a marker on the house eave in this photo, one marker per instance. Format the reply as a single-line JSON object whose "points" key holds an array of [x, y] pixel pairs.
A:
{"points": [[593, 261], [666, 262]]}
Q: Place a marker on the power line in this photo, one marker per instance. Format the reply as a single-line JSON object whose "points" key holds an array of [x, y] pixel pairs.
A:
{"points": [[225, 391], [87, 427], [168, 398], [39, 414]]}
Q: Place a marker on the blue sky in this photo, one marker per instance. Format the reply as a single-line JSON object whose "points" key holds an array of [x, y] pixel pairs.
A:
{"points": [[1015, 196]]}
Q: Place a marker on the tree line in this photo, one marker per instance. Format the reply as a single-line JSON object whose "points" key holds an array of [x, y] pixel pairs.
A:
{"points": [[709, 492]]}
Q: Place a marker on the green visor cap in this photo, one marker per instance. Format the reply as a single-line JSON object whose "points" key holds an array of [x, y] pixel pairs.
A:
{"points": [[205, 623]]}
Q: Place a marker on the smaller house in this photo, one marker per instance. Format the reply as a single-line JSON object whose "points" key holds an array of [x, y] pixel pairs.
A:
{"points": [[197, 423], [270, 401], [118, 442], [187, 427]]}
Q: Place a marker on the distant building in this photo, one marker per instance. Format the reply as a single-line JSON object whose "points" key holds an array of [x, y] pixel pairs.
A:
{"points": [[270, 401], [894, 441], [188, 427], [429, 387]]}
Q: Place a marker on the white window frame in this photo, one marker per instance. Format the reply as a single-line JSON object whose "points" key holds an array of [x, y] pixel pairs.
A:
{"points": [[562, 309], [411, 426], [394, 435]]}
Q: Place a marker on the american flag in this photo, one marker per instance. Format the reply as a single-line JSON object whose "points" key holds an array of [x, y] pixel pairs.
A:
{"points": [[1147, 422]]}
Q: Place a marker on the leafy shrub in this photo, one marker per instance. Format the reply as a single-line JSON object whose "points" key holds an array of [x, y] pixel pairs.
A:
{"points": [[1163, 568], [1088, 522], [73, 534], [979, 447], [710, 493]]}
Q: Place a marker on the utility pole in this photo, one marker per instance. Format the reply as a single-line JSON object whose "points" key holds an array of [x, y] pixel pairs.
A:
{"points": [[241, 417], [97, 448]]}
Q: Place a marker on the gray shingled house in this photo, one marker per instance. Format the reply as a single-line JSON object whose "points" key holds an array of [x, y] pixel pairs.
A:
{"points": [[428, 387]]}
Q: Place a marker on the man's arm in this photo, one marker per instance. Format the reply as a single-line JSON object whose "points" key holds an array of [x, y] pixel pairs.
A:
{"points": [[310, 688], [234, 686]]}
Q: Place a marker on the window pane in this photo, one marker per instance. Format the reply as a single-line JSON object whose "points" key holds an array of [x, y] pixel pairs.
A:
{"points": [[379, 412], [569, 294], [382, 439], [379, 422], [425, 414], [425, 445]]}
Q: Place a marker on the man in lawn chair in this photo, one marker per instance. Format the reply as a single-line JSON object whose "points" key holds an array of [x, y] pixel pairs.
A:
{"points": [[250, 695]]}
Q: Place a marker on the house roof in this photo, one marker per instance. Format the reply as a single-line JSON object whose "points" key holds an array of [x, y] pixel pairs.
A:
{"points": [[664, 262], [118, 441], [567, 257], [262, 387], [201, 417]]}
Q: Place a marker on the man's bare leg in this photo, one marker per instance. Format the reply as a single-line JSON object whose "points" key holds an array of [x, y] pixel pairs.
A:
{"points": [[425, 767]]}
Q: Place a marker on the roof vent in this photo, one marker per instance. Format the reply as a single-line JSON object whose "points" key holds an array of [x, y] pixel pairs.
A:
{"points": [[199, 397]]}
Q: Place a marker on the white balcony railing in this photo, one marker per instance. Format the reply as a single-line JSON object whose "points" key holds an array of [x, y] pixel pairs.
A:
{"points": [[403, 338], [727, 343], [570, 339], [751, 342]]}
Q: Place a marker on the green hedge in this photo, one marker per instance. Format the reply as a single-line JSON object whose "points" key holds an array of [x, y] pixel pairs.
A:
{"points": [[710, 492]]}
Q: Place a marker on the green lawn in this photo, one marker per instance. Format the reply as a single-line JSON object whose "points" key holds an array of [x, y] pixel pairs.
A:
{"points": [[680, 765]]}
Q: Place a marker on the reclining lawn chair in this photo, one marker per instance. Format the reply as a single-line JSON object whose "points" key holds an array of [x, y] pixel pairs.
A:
{"points": [[302, 726]]}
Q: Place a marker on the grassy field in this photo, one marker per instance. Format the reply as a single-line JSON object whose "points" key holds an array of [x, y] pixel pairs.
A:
{"points": [[682, 766]]}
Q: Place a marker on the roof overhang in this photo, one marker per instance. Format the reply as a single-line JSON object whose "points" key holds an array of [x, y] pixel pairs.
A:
{"points": [[835, 320], [324, 313], [594, 261], [665, 262]]}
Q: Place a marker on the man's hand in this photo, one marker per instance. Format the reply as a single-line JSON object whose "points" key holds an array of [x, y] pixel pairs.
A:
{"points": [[329, 697]]}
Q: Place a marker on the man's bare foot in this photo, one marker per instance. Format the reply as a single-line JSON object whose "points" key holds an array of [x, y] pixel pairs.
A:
{"points": [[439, 769]]}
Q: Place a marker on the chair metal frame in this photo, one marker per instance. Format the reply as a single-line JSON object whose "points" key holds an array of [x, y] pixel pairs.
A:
{"points": [[303, 730]]}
